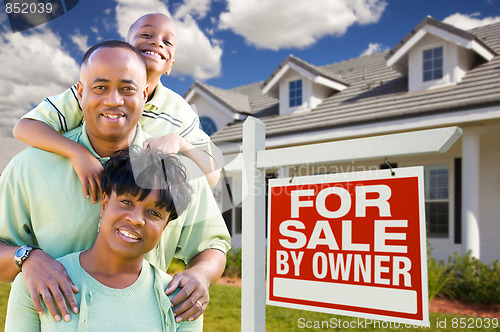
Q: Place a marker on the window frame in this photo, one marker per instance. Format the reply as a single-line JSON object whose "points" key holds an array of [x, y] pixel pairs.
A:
{"points": [[295, 99], [432, 70]]}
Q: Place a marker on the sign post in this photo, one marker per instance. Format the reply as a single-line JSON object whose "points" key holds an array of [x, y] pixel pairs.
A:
{"points": [[351, 244]]}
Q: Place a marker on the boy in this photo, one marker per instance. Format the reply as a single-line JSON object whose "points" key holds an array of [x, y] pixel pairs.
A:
{"points": [[167, 116]]}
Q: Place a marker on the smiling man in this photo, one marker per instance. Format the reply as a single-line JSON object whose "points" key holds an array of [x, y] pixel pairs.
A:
{"points": [[41, 204]]}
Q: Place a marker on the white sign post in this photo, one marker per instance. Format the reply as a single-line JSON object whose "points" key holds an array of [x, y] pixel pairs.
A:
{"points": [[350, 244]]}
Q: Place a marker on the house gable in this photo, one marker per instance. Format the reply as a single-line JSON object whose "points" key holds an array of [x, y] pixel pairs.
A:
{"points": [[436, 54], [300, 87], [216, 106]]}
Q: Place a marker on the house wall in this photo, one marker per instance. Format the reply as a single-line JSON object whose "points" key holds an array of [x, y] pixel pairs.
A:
{"points": [[205, 108], [489, 201]]}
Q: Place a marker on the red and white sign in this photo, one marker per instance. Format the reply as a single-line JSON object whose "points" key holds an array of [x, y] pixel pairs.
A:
{"points": [[350, 244]]}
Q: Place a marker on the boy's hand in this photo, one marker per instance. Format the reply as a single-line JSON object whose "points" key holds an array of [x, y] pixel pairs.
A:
{"points": [[89, 170], [169, 143], [47, 278]]}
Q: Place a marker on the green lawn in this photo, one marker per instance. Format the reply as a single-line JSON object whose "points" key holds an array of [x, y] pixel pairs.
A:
{"points": [[223, 315]]}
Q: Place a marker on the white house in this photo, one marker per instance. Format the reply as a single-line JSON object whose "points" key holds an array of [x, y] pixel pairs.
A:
{"points": [[437, 76]]}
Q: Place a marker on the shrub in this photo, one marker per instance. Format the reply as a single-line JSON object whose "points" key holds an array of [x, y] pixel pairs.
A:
{"points": [[438, 275], [233, 264], [474, 281]]}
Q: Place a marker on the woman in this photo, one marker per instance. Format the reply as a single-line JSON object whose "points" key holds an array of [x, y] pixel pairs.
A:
{"points": [[119, 290]]}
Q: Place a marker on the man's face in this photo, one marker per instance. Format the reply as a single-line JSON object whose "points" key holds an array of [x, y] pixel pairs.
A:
{"points": [[112, 92], [156, 37]]}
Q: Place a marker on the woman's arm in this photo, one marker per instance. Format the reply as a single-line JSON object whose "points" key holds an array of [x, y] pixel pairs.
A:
{"points": [[21, 313]]}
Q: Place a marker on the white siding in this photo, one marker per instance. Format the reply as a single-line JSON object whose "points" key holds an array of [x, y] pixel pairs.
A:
{"points": [[489, 201], [205, 108]]}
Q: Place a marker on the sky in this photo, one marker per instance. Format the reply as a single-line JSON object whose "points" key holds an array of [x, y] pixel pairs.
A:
{"points": [[224, 43]]}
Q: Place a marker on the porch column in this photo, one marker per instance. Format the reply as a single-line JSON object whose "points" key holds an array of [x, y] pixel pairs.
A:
{"points": [[470, 191]]}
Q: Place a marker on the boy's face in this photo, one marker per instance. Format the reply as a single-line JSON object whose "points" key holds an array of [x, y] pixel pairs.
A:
{"points": [[132, 228], [156, 37], [112, 91]]}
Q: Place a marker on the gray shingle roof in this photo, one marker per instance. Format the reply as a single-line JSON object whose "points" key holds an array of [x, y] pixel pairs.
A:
{"points": [[231, 99], [377, 92]]}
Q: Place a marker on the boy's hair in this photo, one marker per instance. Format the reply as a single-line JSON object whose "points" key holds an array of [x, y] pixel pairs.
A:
{"points": [[139, 171], [112, 44]]}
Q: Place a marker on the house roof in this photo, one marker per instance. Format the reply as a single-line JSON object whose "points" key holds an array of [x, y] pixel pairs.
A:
{"points": [[377, 92], [230, 99]]}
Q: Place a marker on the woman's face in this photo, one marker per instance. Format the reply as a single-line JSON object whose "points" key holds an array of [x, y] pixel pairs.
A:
{"points": [[130, 227]]}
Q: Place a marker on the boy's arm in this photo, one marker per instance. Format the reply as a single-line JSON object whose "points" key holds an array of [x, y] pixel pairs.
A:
{"points": [[40, 135], [173, 143]]}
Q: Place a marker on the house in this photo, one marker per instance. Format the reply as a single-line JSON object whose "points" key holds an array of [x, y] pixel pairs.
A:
{"points": [[437, 76]]}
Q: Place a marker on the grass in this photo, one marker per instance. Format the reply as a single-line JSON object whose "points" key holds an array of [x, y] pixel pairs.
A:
{"points": [[223, 315]]}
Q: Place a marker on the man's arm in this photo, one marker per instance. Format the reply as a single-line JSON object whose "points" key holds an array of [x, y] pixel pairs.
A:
{"points": [[44, 276], [202, 272], [40, 135], [9, 268]]}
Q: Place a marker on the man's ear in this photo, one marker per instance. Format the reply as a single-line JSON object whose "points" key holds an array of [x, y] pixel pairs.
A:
{"points": [[170, 69], [79, 91], [146, 92]]}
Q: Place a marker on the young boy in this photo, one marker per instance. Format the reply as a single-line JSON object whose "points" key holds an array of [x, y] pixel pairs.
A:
{"points": [[120, 291], [166, 116]]}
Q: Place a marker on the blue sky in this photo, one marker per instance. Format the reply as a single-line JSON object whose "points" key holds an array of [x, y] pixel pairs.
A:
{"points": [[225, 43]]}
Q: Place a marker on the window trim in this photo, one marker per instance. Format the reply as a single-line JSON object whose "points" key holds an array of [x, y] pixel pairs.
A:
{"points": [[450, 239], [433, 58], [417, 74]]}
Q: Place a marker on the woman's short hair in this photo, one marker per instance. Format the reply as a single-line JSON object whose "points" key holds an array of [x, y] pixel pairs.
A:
{"points": [[137, 172]]}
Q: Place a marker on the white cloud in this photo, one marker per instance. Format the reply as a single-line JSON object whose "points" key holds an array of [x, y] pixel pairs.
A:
{"points": [[467, 22], [373, 48], [34, 66], [195, 8], [127, 11], [81, 41], [296, 23], [197, 55]]}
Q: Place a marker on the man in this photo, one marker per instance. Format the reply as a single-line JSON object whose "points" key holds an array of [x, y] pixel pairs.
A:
{"points": [[41, 203]]}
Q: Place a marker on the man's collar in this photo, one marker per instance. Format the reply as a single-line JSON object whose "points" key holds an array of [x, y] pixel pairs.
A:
{"points": [[83, 139]]}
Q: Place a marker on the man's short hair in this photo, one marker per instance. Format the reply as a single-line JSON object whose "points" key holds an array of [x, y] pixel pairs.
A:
{"points": [[112, 44], [139, 171]]}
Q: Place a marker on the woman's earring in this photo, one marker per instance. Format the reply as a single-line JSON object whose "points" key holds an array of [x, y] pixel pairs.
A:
{"points": [[158, 250], [99, 226]]}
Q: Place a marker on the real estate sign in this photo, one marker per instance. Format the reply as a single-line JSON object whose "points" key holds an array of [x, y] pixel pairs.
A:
{"points": [[350, 244]]}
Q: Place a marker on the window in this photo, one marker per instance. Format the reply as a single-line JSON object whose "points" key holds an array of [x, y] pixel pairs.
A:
{"points": [[437, 200], [295, 88], [433, 64], [208, 125]]}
